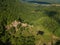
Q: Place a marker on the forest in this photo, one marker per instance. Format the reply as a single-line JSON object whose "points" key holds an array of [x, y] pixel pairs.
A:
{"points": [[28, 24]]}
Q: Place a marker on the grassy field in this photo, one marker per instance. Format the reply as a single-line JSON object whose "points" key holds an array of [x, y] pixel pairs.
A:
{"points": [[44, 19]]}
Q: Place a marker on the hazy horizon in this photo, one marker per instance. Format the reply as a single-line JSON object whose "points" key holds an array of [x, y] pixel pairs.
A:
{"points": [[52, 1]]}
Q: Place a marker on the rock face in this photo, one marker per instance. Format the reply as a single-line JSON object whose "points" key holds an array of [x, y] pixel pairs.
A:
{"points": [[24, 24], [16, 23], [13, 24]]}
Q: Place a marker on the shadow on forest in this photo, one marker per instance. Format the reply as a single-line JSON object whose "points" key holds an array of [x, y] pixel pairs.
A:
{"points": [[1, 43], [50, 13], [58, 42], [6, 43]]}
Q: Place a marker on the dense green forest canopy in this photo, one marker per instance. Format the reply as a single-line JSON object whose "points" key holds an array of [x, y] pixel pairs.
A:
{"points": [[39, 19]]}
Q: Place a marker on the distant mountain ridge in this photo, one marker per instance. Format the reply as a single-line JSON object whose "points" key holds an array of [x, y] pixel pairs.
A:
{"points": [[47, 1], [38, 2]]}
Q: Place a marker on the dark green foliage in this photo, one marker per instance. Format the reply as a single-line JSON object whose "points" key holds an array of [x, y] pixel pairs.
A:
{"points": [[28, 40], [1, 43], [9, 9], [8, 13], [57, 42], [51, 13]]}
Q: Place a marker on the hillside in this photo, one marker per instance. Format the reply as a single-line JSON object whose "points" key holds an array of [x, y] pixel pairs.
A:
{"points": [[50, 1], [29, 24]]}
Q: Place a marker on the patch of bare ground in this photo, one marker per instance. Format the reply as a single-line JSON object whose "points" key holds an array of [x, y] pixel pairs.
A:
{"points": [[38, 43], [53, 40], [55, 37]]}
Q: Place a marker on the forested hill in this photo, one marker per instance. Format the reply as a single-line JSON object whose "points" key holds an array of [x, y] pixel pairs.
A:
{"points": [[50, 1], [28, 24], [38, 2]]}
